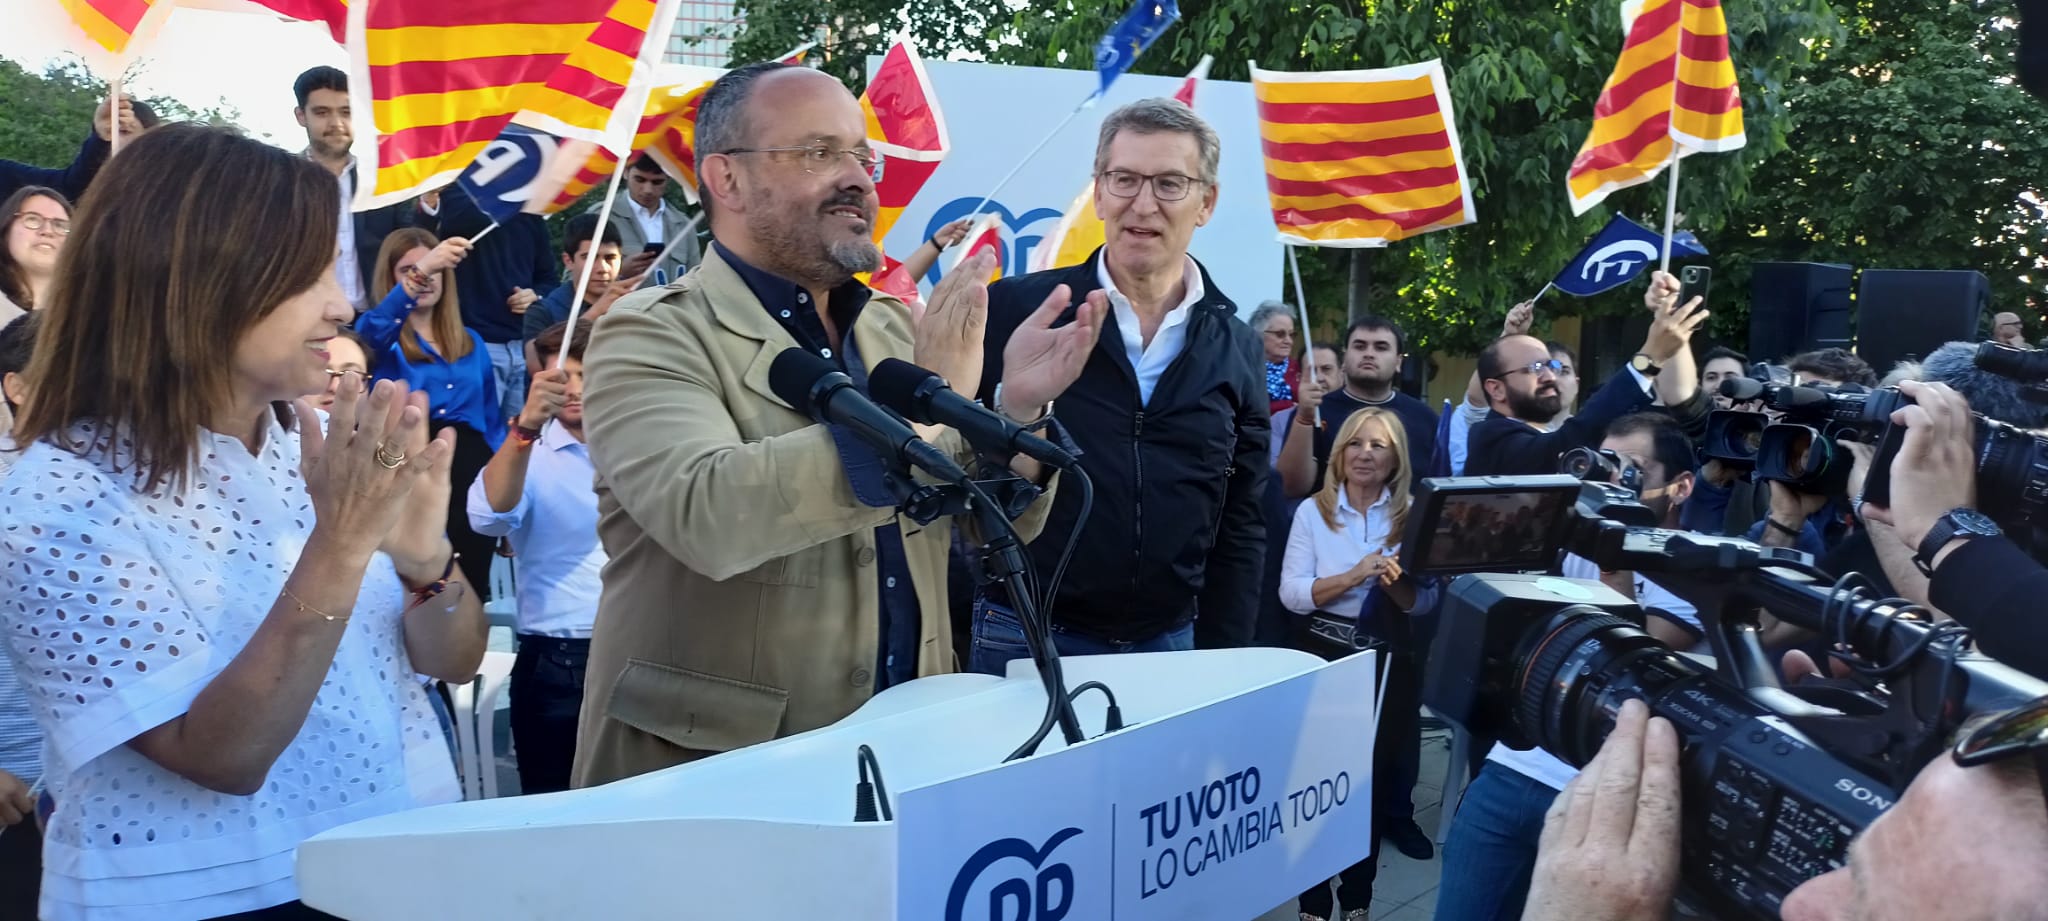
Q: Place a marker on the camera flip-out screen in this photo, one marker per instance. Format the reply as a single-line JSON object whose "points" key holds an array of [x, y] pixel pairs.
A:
{"points": [[1487, 524]]}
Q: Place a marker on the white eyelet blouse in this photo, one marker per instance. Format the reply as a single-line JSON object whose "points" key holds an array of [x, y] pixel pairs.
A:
{"points": [[118, 607]]}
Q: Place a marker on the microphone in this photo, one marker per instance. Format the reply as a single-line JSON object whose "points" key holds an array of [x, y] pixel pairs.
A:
{"points": [[815, 387], [922, 396], [1742, 389]]}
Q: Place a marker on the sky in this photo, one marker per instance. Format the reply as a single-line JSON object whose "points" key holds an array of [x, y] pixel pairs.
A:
{"points": [[201, 57]]}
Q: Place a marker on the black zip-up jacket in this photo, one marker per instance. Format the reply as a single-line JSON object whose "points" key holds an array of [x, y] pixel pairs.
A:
{"points": [[1176, 530]]}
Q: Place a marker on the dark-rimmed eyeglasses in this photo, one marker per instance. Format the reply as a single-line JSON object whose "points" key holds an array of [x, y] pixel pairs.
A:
{"points": [[2022, 730], [820, 158], [36, 222], [1535, 369], [1123, 183]]}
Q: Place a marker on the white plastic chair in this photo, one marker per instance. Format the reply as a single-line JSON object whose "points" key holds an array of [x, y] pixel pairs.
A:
{"points": [[475, 710]]}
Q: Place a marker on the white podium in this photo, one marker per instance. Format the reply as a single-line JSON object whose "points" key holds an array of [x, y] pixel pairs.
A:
{"points": [[1242, 777]]}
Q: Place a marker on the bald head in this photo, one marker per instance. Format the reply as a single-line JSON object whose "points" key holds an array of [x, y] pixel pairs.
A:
{"points": [[2006, 328]]}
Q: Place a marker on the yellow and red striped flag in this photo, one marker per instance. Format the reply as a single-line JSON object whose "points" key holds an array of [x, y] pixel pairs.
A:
{"points": [[113, 29], [905, 128], [1672, 94], [1361, 157], [667, 132], [985, 234], [1079, 232], [441, 80]]}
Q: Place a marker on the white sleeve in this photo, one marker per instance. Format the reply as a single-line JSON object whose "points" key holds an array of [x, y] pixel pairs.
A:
{"points": [[485, 520], [1298, 568], [102, 643]]}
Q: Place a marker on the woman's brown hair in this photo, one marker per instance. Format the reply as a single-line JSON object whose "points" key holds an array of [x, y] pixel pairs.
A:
{"points": [[189, 238], [449, 334], [14, 284], [1397, 481]]}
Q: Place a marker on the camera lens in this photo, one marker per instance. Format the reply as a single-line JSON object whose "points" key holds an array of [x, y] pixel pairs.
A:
{"points": [[1572, 676], [2012, 473]]}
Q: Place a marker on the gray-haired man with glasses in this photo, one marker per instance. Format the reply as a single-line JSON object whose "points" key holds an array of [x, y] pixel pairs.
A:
{"points": [[1520, 379], [1171, 414]]}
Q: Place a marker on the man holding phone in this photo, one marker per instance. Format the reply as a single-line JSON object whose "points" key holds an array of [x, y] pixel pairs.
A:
{"points": [[647, 224]]}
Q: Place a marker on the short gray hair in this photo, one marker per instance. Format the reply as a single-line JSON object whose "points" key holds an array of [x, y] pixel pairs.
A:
{"points": [[1267, 310], [1156, 116], [721, 117]]}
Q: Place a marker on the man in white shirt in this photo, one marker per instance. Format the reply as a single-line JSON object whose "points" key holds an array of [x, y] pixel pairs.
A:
{"points": [[1491, 852], [537, 491], [646, 223], [323, 110]]}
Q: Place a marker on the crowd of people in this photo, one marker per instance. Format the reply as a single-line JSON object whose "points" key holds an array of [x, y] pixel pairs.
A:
{"points": [[255, 482]]}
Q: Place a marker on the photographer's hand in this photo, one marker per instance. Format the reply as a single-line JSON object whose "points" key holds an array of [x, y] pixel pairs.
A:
{"points": [[1936, 469], [1609, 850]]}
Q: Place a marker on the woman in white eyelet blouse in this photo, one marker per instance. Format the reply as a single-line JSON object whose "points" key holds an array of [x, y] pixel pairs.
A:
{"points": [[217, 598]]}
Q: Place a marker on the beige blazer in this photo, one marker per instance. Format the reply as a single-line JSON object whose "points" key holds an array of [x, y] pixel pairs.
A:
{"points": [[740, 601]]}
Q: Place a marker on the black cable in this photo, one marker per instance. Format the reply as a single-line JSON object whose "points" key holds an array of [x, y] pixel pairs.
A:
{"points": [[1112, 720], [1058, 710], [871, 797]]}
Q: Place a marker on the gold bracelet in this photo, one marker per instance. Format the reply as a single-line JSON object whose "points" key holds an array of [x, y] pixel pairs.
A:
{"points": [[304, 607]]}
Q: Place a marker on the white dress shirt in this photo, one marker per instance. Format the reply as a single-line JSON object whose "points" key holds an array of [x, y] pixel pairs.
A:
{"points": [[554, 534], [652, 228], [1150, 361], [347, 270], [1316, 552]]}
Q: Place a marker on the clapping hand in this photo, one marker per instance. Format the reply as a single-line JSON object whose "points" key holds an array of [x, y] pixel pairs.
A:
{"points": [[947, 331], [1041, 361]]}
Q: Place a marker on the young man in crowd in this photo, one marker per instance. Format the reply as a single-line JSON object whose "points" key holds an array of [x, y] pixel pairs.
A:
{"points": [[537, 491], [606, 285], [648, 225], [323, 110]]}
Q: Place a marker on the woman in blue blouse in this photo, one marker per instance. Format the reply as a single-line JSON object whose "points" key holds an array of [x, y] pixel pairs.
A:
{"points": [[416, 335]]}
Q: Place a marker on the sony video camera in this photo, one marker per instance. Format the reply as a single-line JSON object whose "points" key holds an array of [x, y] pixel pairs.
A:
{"points": [[1776, 780]]}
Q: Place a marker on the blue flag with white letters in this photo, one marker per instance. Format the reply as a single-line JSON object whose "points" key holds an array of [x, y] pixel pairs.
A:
{"points": [[1121, 45], [511, 175], [1621, 252]]}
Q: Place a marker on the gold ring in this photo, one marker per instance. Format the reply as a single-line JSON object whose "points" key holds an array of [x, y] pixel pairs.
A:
{"points": [[388, 460]]}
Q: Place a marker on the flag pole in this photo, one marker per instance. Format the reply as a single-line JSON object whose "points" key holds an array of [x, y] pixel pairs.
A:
{"points": [[114, 115], [1670, 212], [1012, 174], [611, 192], [1308, 347], [1547, 286], [484, 232]]}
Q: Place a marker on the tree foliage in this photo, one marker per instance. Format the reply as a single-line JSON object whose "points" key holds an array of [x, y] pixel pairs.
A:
{"points": [[847, 31], [1912, 149], [49, 113]]}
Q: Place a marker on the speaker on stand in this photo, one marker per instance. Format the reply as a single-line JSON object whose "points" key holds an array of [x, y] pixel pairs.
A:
{"points": [[1903, 314], [1797, 307]]}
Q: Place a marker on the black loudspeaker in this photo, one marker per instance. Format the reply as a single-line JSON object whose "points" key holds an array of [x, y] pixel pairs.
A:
{"points": [[1797, 307], [1903, 314]]}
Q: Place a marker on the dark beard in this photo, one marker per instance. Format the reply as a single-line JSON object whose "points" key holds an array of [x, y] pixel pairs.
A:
{"points": [[803, 256], [1531, 407]]}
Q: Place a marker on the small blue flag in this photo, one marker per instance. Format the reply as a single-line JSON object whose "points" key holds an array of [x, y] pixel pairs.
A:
{"points": [[1621, 252], [1134, 33], [511, 174]]}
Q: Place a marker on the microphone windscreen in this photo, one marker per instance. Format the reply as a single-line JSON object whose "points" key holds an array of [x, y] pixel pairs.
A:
{"points": [[2001, 398], [1742, 389], [894, 383], [792, 375]]}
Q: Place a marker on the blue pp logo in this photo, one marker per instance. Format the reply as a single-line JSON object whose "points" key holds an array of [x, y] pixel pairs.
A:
{"points": [[1043, 892]]}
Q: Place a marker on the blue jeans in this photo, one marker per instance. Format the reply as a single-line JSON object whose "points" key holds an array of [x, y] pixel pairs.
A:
{"points": [[508, 365], [1492, 848], [999, 637]]}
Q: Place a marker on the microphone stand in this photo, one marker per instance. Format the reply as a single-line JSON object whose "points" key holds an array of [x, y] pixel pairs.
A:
{"points": [[1001, 560]]}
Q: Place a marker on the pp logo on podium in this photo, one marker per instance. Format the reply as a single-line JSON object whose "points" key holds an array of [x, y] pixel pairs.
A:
{"points": [[1044, 892]]}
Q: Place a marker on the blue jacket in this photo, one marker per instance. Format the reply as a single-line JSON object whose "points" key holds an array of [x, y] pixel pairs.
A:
{"points": [[464, 390], [70, 180], [516, 255]]}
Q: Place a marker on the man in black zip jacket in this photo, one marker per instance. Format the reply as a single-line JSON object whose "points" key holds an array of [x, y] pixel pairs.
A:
{"points": [[1170, 414]]}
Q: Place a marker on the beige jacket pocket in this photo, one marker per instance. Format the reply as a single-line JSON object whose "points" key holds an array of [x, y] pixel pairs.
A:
{"points": [[695, 710]]}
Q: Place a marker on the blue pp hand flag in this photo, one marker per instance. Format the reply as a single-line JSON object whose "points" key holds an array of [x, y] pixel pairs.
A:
{"points": [[1134, 33], [1621, 252], [519, 171]]}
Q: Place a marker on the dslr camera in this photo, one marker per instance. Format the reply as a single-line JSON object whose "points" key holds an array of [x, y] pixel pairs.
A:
{"points": [[1776, 780]]}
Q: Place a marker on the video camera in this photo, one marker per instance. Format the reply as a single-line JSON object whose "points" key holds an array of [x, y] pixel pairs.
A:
{"points": [[1799, 448], [1776, 780]]}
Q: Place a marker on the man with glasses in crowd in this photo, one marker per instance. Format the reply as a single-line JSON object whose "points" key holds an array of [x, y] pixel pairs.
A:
{"points": [[1171, 413], [1520, 379], [648, 225]]}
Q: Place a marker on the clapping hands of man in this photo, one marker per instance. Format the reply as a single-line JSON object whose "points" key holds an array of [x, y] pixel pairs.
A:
{"points": [[1039, 361]]}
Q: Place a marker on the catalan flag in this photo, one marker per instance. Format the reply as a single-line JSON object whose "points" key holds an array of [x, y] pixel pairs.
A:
{"points": [[444, 79], [1079, 232], [110, 27], [905, 128], [1672, 94], [1361, 157], [667, 132], [985, 234]]}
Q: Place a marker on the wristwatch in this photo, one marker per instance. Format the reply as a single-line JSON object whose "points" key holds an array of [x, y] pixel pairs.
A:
{"points": [[1644, 365], [1964, 523]]}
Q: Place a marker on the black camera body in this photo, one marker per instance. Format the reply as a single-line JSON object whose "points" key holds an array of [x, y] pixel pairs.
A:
{"points": [[1775, 781]]}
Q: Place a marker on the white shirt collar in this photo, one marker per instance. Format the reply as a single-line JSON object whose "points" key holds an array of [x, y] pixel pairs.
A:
{"points": [[646, 212], [1191, 276], [555, 436]]}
